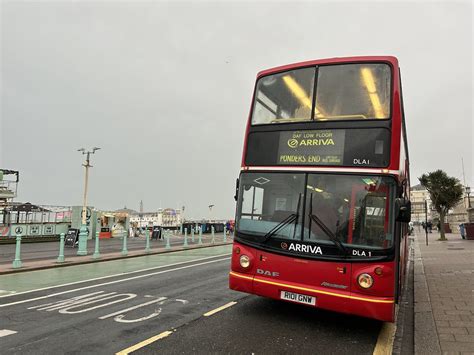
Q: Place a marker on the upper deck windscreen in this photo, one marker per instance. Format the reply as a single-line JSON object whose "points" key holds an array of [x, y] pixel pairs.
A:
{"points": [[342, 92]]}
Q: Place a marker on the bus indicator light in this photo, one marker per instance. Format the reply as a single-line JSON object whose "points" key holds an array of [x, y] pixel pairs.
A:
{"points": [[378, 271]]}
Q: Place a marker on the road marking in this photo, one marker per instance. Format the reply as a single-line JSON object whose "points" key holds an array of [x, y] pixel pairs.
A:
{"points": [[128, 296], [119, 314], [385, 340], [144, 343], [111, 282], [6, 332], [71, 301], [13, 293], [7, 292], [214, 311]]}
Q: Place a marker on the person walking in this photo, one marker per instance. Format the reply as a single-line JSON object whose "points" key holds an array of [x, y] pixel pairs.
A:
{"points": [[462, 229]]}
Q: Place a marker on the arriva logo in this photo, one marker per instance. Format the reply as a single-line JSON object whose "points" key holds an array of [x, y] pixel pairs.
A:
{"points": [[292, 143], [313, 249]]}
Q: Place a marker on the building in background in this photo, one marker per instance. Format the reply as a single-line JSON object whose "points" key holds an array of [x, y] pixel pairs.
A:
{"points": [[167, 217], [455, 216], [418, 196]]}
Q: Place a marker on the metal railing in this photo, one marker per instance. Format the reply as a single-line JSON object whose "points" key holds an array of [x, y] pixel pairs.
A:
{"points": [[168, 241]]}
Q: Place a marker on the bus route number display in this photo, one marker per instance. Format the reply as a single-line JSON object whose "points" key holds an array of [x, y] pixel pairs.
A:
{"points": [[321, 147]]}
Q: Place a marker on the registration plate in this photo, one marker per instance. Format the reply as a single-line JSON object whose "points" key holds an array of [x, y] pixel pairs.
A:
{"points": [[296, 297]]}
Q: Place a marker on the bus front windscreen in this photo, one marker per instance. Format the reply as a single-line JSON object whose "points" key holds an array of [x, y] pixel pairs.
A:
{"points": [[348, 210]]}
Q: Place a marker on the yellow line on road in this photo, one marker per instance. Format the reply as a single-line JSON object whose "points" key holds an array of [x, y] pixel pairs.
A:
{"points": [[214, 311], [385, 340], [144, 343]]}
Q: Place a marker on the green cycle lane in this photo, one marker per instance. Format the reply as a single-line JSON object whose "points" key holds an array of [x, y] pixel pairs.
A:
{"points": [[32, 280]]}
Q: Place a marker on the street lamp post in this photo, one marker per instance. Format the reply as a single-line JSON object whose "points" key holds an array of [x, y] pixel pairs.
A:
{"points": [[426, 222], [210, 212], [83, 233], [468, 193]]}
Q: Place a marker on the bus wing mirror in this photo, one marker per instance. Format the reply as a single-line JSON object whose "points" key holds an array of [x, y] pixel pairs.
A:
{"points": [[236, 189], [403, 210]]}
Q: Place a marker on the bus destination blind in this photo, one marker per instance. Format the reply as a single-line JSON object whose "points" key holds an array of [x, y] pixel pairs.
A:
{"points": [[311, 147], [330, 147]]}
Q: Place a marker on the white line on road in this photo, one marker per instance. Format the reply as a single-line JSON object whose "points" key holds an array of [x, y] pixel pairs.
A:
{"points": [[5, 332], [109, 276], [128, 296], [7, 292], [214, 311], [111, 282]]}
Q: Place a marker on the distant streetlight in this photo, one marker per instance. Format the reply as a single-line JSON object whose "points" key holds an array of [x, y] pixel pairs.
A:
{"points": [[426, 222], [83, 234], [468, 193], [210, 212]]}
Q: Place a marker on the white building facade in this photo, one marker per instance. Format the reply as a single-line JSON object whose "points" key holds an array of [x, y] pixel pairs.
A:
{"points": [[164, 217]]}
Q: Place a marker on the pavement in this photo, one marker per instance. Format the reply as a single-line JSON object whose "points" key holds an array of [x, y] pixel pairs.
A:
{"points": [[443, 295], [38, 256]]}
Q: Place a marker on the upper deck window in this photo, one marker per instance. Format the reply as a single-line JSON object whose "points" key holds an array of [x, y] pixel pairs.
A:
{"points": [[343, 92], [284, 97], [353, 91]]}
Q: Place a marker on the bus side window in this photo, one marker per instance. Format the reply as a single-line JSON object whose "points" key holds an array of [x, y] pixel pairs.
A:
{"points": [[252, 202]]}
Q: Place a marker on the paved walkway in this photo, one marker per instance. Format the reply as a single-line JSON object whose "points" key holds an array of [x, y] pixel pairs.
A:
{"points": [[444, 304], [51, 262]]}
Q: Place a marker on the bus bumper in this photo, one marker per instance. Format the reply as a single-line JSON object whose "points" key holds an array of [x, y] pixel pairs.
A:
{"points": [[380, 308]]}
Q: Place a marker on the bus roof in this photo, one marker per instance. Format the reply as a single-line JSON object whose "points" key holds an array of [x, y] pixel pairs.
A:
{"points": [[337, 60]]}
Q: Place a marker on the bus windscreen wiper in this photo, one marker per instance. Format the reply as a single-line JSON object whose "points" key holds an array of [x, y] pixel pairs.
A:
{"points": [[325, 229], [290, 219], [328, 232]]}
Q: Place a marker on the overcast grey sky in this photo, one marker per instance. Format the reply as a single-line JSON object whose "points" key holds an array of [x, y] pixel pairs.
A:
{"points": [[165, 88]]}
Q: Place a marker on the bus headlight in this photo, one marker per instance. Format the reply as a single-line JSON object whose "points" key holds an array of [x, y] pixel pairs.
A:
{"points": [[365, 280], [244, 261]]}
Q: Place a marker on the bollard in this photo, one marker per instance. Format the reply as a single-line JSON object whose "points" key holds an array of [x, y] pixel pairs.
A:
{"points": [[168, 246], [124, 244], [185, 238], [147, 246], [225, 234], [181, 229], [213, 237], [83, 235], [200, 236], [60, 258], [96, 254], [192, 234], [17, 261]]}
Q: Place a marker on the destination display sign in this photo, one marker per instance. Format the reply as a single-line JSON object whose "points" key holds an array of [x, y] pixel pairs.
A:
{"points": [[368, 147], [311, 147]]}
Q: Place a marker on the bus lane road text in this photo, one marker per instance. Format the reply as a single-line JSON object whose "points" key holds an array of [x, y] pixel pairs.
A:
{"points": [[101, 299]]}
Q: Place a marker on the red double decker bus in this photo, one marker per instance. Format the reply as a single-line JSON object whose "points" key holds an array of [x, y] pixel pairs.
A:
{"points": [[323, 194]]}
